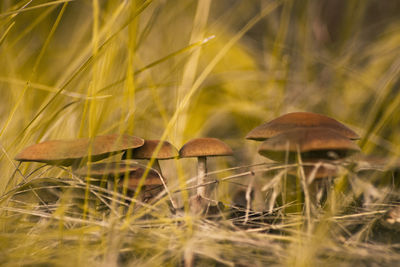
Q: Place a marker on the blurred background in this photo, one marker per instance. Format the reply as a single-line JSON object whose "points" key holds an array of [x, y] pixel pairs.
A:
{"points": [[185, 69]]}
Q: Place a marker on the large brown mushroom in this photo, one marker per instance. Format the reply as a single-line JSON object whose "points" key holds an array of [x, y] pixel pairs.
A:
{"points": [[203, 148], [74, 152], [294, 120], [312, 143]]}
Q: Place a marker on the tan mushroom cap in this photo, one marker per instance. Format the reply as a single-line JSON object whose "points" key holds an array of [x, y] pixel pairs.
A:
{"points": [[67, 152], [205, 147], [299, 119], [167, 151], [312, 143]]}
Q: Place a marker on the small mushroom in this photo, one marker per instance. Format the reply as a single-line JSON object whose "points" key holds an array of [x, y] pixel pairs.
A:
{"points": [[203, 148], [312, 143], [294, 120], [74, 152], [152, 185], [117, 170], [147, 151]]}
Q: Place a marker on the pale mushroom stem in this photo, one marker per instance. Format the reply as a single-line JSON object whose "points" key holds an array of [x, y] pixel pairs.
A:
{"points": [[156, 166], [201, 176]]}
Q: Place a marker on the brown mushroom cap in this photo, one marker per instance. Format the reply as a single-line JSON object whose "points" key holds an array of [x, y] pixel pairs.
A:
{"points": [[312, 143], [152, 185], [152, 178], [119, 169], [298, 119], [167, 151], [68, 152], [205, 147]]}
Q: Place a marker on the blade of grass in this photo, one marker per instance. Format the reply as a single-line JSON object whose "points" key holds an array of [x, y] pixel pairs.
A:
{"points": [[25, 8], [50, 89], [3, 37]]}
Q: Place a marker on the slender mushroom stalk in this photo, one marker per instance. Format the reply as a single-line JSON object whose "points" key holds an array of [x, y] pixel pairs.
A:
{"points": [[201, 176]]}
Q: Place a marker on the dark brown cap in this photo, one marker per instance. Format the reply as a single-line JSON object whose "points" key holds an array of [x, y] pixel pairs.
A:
{"points": [[299, 119], [108, 169], [312, 143], [119, 169], [68, 152], [167, 151], [205, 147]]}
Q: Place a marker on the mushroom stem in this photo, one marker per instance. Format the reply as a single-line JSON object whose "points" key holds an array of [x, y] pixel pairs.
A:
{"points": [[201, 176], [156, 166]]}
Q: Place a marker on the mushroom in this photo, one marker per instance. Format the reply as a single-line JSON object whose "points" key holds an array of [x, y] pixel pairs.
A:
{"points": [[153, 184], [147, 151], [296, 120], [203, 148], [312, 143], [117, 170], [74, 152]]}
